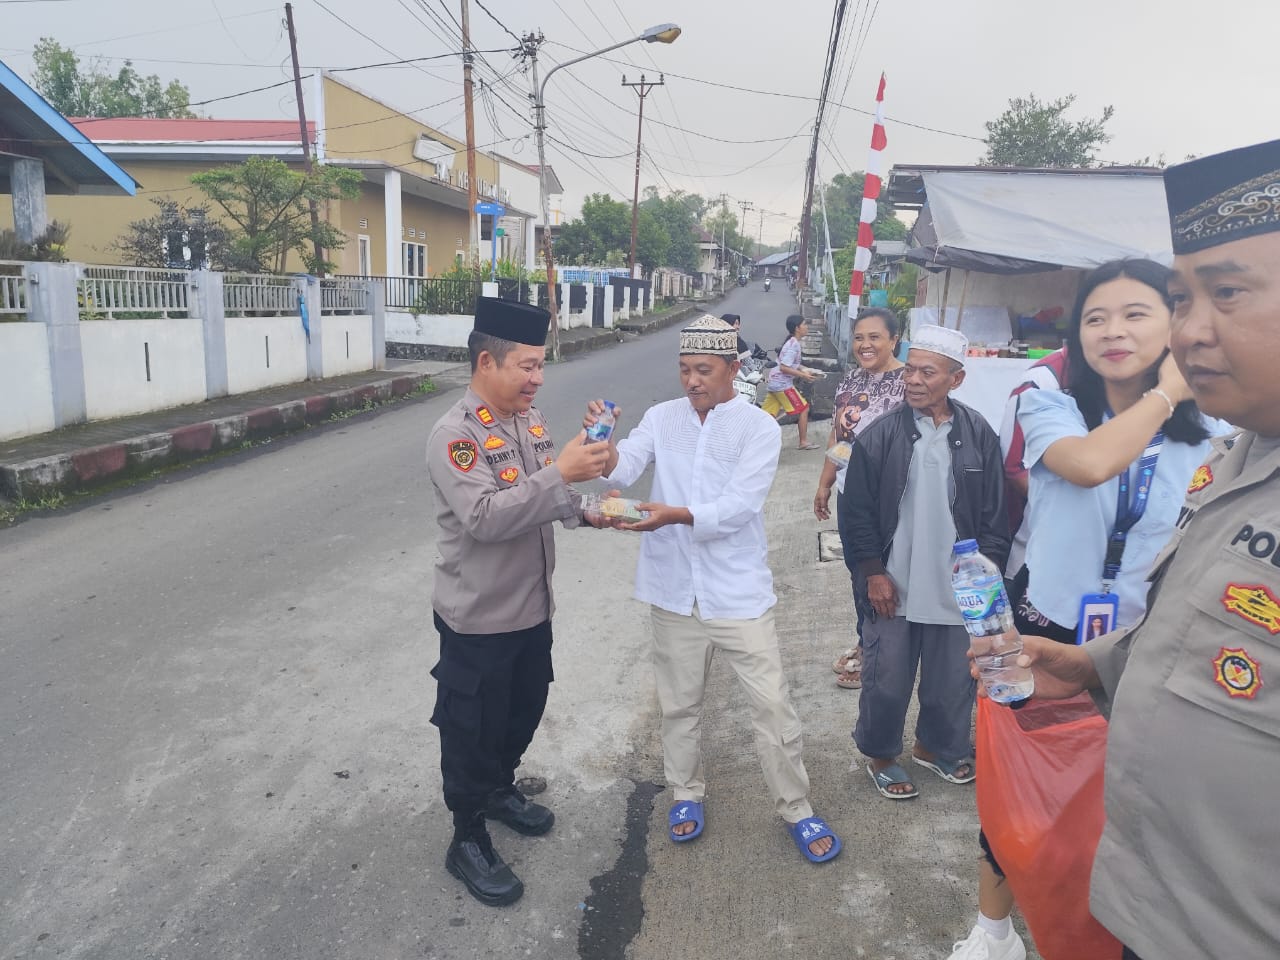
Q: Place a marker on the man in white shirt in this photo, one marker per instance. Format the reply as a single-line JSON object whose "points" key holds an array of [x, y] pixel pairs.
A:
{"points": [[704, 570]]}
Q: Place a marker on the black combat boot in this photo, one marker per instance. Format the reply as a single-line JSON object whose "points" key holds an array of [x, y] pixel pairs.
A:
{"points": [[472, 859], [518, 812]]}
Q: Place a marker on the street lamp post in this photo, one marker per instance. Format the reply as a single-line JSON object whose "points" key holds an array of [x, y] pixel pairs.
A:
{"points": [[663, 33]]}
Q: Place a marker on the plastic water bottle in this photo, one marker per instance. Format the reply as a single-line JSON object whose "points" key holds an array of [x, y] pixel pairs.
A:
{"points": [[602, 429], [980, 595]]}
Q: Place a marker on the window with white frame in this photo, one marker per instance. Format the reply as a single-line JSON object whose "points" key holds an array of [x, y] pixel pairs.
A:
{"points": [[413, 259], [362, 244]]}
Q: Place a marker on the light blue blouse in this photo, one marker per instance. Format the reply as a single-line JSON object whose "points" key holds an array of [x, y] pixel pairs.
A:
{"points": [[1070, 524]]}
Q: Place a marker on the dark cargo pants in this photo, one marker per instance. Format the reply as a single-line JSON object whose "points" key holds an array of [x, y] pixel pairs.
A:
{"points": [[891, 652], [491, 691]]}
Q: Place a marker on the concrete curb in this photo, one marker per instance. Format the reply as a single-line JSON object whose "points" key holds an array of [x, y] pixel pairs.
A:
{"points": [[84, 469]]}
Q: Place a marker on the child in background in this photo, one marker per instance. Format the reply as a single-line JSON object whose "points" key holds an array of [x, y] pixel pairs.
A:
{"points": [[783, 398]]}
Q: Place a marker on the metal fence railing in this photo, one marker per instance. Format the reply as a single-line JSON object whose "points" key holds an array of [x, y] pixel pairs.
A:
{"points": [[132, 293], [344, 295], [13, 290], [258, 295]]}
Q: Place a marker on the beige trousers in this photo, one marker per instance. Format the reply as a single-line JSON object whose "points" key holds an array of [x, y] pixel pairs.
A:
{"points": [[682, 652]]}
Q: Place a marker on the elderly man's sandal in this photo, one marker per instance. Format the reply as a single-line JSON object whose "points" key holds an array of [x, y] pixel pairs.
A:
{"points": [[809, 830], [685, 811], [946, 769], [890, 776]]}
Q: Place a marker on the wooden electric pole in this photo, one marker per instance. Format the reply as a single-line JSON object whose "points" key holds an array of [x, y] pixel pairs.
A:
{"points": [[473, 236], [306, 141], [643, 88]]}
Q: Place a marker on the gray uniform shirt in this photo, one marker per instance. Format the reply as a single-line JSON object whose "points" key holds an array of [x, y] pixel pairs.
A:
{"points": [[920, 558], [497, 491], [1186, 868]]}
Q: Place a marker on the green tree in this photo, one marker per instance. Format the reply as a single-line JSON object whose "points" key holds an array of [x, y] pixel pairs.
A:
{"points": [[843, 197], [267, 203], [94, 92], [602, 235], [179, 236], [678, 214], [1031, 133]]}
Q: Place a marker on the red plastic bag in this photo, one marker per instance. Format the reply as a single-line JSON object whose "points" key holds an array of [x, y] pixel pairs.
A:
{"points": [[1040, 803]]}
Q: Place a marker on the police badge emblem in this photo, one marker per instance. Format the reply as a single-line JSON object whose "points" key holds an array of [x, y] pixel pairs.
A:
{"points": [[1237, 673], [1201, 478], [509, 474], [463, 454]]}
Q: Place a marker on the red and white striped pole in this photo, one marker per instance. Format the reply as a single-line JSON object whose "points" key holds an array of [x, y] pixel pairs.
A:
{"points": [[870, 195]]}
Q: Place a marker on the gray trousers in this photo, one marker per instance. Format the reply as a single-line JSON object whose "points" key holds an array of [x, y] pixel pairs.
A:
{"points": [[891, 651]]}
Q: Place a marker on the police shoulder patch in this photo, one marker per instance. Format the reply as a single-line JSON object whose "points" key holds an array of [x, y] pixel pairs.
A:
{"points": [[463, 454], [1237, 673], [493, 443], [1200, 479], [509, 474], [484, 416], [1254, 603]]}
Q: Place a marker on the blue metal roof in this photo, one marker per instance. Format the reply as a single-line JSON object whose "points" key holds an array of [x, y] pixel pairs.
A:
{"points": [[30, 127], [775, 258]]}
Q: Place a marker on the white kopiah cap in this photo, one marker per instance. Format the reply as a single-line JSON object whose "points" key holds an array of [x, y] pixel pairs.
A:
{"points": [[940, 340]]}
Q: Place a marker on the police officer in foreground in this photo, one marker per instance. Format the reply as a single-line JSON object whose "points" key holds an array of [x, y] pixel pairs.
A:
{"points": [[1186, 867], [498, 486]]}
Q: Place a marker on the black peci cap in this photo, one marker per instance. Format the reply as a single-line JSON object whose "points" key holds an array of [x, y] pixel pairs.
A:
{"points": [[1225, 197], [512, 320]]}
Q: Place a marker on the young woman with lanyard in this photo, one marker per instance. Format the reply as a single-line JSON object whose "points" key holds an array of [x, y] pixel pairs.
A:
{"points": [[1110, 460], [869, 390]]}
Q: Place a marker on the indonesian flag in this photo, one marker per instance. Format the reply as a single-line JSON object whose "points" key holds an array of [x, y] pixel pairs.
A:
{"points": [[870, 194]]}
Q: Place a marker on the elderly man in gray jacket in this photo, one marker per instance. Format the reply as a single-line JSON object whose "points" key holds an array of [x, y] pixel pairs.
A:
{"points": [[920, 479]]}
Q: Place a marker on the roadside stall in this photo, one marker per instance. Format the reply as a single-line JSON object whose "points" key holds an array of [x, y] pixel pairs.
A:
{"points": [[1004, 249]]}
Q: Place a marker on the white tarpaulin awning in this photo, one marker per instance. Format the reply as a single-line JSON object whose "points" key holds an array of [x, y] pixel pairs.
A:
{"points": [[1067, 219]]}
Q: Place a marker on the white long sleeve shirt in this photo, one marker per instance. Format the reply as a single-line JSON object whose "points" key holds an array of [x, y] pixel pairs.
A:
{"points": [[721, 470]]}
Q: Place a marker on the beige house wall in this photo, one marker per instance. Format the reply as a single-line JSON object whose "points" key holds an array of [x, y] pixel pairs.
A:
{"points": [[359, 127]]}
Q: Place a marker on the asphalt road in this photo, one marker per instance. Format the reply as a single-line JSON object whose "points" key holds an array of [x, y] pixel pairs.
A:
{"points": [[214, 712]]}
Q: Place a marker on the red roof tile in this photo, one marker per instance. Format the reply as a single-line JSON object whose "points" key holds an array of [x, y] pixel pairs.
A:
{"points": [[199, 130]]}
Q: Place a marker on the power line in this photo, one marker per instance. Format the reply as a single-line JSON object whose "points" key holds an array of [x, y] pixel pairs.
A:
{"points": [[792, 96], [491, 16]]}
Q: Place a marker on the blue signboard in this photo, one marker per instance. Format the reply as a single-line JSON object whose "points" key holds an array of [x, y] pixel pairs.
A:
{"points": [[488, 209]]}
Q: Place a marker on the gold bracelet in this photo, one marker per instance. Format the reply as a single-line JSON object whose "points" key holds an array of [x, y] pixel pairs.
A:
{"points": [[1163, 396]]}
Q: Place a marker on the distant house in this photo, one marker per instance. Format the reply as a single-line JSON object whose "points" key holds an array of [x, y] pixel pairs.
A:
{"points": [[777, 265], [43, 154], [410, 220]]}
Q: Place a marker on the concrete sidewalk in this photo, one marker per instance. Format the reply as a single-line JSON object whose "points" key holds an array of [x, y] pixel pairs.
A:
{"points": [[87, 455]]}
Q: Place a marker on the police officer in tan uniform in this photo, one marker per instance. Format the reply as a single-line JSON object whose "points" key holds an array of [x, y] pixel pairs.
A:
{"points": [[1186, 868], [499, 485]]}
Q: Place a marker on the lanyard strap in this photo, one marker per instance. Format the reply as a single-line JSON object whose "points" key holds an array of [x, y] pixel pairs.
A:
{"points": [[1129, 512]]}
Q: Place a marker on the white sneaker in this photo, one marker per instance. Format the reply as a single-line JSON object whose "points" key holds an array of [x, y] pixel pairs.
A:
{"points": [[980, 945]]}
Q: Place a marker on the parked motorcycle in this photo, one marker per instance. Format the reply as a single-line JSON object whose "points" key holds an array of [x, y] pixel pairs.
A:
{"points": [[751, 371]]}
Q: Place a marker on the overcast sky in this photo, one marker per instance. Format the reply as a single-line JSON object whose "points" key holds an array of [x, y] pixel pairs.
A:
{"points": [[1184, 76]]}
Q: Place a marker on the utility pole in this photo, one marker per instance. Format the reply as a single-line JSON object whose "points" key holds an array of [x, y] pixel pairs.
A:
{"points": [[529, 46], [760, 234], [742, 223], [643, 89], [724, 206], [473, 234], [306, 141]]}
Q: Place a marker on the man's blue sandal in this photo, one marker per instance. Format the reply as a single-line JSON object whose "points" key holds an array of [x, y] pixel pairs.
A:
{"points": [[685, 811], [810, 829]]}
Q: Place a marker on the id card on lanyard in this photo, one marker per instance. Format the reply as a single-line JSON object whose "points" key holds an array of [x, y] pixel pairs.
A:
{"points": [[1099, 611]]}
